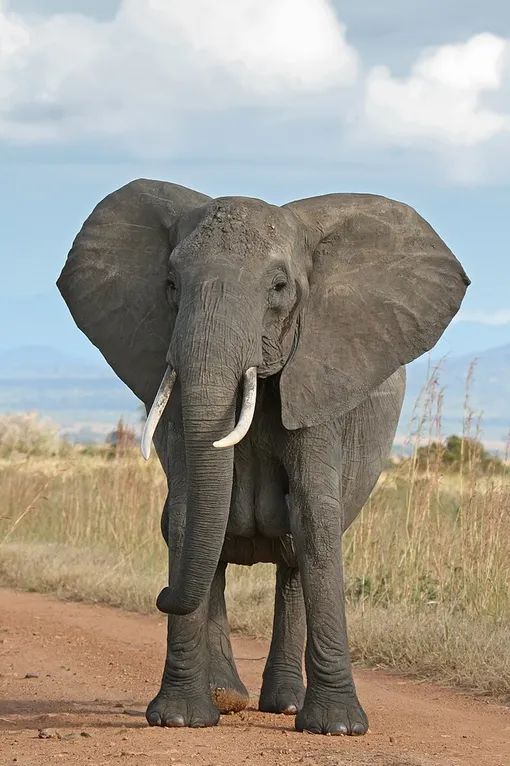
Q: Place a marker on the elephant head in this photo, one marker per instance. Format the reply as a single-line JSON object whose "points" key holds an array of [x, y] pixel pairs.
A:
{"points": [[330, 294]]}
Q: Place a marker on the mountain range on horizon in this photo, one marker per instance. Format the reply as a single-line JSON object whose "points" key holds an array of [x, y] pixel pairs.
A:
{"points": [[83, 396], [55, 328], [86, 399]]}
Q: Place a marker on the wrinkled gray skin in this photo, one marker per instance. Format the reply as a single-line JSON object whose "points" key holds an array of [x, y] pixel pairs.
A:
{"points": [[329, 298]]}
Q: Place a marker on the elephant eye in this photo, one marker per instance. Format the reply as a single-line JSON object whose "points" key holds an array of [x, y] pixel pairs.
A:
{"points": [[171, 291], [279, 285]]}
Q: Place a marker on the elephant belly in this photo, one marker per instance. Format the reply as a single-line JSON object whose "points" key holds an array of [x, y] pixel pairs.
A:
{"points": [[259, 496], [256, 550]]}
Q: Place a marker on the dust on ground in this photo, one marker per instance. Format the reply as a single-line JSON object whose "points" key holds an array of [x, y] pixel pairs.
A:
{"points": [[75, 680]]}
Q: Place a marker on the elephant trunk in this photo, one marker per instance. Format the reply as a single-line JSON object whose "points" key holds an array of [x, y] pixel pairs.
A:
{"points": [[210, 369], [210, 474]]}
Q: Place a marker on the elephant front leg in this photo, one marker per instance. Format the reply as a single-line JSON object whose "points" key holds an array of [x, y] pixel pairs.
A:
{"points": [[331, 705], [184, 698], [283, 690]]}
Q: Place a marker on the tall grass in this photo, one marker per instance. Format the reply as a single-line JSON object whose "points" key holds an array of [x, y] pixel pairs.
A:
{"points": [[427, 563]]}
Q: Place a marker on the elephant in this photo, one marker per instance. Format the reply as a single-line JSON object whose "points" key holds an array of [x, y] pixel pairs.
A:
{"points": [[268, 344]]}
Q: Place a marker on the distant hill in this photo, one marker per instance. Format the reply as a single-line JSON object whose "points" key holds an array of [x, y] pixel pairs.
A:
{"points": [[75, 393], [489, 390], [85, 396], [30, 362], [41, 320], [44, 320]]}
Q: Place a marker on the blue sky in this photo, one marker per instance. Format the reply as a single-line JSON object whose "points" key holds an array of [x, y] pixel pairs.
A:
{"points": [[278, 99]]}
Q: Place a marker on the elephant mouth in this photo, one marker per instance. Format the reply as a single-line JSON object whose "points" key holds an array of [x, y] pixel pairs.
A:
{"points": [[270, 368], [277, 353], [234, 437]]}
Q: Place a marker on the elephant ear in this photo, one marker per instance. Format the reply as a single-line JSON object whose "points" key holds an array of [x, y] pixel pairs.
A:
{"points": [[383, 289], [114, 280]]}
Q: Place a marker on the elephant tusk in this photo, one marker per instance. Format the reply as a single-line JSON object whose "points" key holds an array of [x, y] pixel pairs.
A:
{"points": [[158, 405], [247, 411]]}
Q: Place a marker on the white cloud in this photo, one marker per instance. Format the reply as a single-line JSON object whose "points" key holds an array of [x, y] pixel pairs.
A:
{"points": [[70, 76], [269, 45], [479, 316], [167, 74], [442, 100]]}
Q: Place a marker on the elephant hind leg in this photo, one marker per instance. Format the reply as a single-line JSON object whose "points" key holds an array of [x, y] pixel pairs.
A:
{"points": [[229, 693], [283, 690]]}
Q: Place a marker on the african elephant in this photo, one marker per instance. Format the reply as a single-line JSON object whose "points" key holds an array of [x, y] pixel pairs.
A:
{"points": [[294, 322]]}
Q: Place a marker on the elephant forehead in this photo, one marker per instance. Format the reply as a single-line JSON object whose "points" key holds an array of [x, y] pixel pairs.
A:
{"points": [[239, 227], [244, 210], [245, 217]]}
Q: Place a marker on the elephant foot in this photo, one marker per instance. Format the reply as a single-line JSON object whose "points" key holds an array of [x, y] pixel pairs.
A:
{"points": [[343, 716], [229, 693], [174, 710], [281, 694]]}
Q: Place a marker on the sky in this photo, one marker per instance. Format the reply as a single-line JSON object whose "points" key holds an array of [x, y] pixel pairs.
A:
{"points": [[278, 99]]}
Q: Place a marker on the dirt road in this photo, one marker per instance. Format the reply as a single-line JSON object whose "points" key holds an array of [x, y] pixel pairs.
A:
{"points": [[83, 673]]}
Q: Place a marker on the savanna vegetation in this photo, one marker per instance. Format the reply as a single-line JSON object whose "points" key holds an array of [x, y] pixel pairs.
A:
{"points": [[427, 564]]}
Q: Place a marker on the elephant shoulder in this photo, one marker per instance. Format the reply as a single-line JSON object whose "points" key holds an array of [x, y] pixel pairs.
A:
{"points": [[380, 410], [390, 394]]}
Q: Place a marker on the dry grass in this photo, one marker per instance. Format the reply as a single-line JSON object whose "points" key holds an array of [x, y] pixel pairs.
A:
{"points": [[428, 562]]}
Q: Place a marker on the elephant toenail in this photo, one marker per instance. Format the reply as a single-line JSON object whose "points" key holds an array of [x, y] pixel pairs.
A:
{"points": [[174, 721], [338, 730], [357, 730], [290, 710], [154, 719]]}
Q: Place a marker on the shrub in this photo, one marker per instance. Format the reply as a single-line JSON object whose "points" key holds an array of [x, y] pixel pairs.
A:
{"points": [[27, 433], [458, 451]]}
